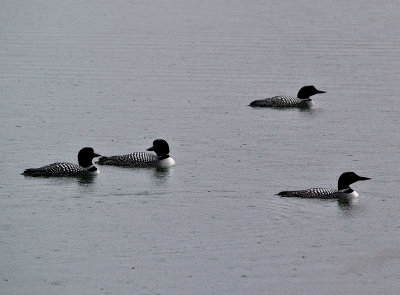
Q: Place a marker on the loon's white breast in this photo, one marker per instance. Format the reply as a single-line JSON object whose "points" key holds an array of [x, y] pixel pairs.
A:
{"points": [[353, 194], [92, 170], [165, 163], [309, 103]]}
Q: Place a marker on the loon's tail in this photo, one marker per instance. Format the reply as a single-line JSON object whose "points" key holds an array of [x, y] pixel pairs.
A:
{"points": [[284, 193], [32, 172]]}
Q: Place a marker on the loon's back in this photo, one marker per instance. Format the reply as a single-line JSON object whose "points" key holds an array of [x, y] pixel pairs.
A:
{"points": [[137, 159], [282, 101], [58, 169], [320, 193]]}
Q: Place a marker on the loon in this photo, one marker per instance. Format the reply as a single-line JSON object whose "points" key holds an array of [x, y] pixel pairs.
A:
{"points": [[344, 190], [302, 100], [85, 167], [162, 158]]}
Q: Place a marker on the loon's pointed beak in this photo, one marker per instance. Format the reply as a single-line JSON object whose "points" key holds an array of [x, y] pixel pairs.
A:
{"points": [[320, 91], [151, 148], [96, 155], [360, 178]]}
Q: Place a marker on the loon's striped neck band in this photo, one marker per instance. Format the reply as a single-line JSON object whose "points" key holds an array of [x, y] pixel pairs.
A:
{"points": [[163, 157], [91, 168], [348, 190]]}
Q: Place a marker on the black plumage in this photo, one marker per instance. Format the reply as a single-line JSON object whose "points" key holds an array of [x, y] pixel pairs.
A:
{"points": [[137, 159]]}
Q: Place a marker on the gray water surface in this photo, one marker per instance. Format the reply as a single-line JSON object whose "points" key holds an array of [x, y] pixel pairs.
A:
{"points": [[115, 75]]}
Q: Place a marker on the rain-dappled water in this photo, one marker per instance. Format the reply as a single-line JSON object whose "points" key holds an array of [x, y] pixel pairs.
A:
{"points": [[116, 75]]}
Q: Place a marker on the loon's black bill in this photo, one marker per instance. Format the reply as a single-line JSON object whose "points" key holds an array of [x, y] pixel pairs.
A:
{"points": [[360, 178], [151, 148], [320, 91], [96, 155]]}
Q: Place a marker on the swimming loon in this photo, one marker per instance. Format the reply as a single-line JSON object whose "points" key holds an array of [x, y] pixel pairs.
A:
{"points": [[344, 190], [143, 159], [302, 100], [85, 167]]}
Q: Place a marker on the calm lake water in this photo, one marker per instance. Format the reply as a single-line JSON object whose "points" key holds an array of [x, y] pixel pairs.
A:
{"points": [[115, 75]]}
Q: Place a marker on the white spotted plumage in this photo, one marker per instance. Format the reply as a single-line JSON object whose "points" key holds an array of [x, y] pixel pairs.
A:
{"points": [[58, 169], [281, 101], [137, 159], [322, 193]]}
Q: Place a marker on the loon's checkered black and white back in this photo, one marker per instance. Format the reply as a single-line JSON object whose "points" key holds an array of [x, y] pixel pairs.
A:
{"points": [[58, 169], [280, 101], [143, 159], [344, 190], [321, 193], [85, 167], [137, 159]]}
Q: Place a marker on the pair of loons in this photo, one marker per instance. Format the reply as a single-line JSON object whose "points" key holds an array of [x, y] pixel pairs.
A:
{"points": [[87, 154], [303, 100]]}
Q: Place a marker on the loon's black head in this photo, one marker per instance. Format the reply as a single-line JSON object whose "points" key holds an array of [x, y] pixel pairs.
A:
{"points": [[307, 91], [348, 178], [85, 157], [160, 147]]}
